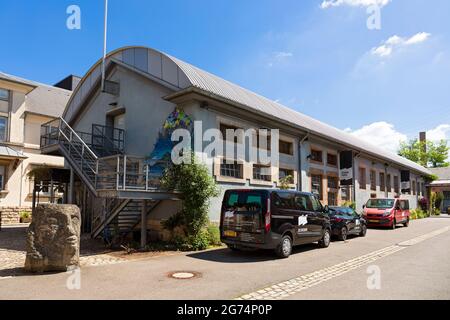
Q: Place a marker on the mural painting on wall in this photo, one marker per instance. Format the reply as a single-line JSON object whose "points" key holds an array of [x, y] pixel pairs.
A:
{"points": [[161, 155]]}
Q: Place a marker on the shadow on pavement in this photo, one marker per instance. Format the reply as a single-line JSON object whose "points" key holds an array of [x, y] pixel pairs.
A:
{"points": [[229, 256]]}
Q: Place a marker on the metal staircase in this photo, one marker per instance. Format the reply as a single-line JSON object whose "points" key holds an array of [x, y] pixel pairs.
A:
{"points": [[122, 182]]}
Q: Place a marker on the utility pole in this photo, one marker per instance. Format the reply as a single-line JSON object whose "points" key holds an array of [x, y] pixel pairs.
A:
{"points": [[105, 39]]}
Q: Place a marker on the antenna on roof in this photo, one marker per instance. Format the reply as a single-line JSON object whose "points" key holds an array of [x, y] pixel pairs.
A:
{"points": [[105, 37]]}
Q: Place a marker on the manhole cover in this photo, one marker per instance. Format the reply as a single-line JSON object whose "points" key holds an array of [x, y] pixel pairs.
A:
{"points": [[183, 275]]}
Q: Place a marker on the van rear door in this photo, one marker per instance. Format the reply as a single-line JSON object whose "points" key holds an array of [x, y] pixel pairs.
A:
{"points": [[243, 215]]}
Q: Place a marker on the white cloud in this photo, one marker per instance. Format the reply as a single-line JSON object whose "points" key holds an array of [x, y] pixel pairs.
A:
{"points": [[353, 3], [395, 42], [278, 57], [441, 132], [384, 135], [380, 134]]}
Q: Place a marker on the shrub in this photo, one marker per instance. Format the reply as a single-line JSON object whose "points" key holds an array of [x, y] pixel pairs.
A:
{"points": [[214, 235], [285, 183], [423, 202], [350, 204], [436, 212], [418, 214], [197, 187], [25, 215]]}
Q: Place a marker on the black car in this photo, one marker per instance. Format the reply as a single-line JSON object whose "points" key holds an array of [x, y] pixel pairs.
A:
{"points": [[273, 219], [346, 221]]}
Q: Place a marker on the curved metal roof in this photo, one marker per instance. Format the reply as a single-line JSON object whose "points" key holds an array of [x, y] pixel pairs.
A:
{"points": [[182, 75]]}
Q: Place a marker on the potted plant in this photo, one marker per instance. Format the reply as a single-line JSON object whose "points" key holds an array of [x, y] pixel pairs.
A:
{"points": [[25, 217]]}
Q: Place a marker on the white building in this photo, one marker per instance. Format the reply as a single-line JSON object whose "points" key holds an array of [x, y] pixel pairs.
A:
{"points": [[109, 135], [24, 106]]}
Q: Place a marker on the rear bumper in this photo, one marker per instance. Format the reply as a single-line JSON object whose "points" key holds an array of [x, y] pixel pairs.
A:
{"points": [[270, 242]]}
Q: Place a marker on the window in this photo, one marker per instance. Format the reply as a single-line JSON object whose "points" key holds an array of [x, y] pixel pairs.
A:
{"points": [[4, 95], [382, 182], [332, 159], [414, 187], [285, 201], [2, 177], [233, 170], [332, 198], [316, 185], [373, 180], [3, 128], [286, 148], [262, 173], [316, 156], [283, 173], [396, 185], [333, 183], [345, 193], [223, 130], [362, 178], [264, 136], [389, 183]]}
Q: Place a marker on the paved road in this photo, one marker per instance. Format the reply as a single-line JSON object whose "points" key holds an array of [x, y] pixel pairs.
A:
{"points": [[409, 270]]}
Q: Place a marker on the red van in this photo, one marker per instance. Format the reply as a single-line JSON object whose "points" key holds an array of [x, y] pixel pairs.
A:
{"points": [[387, 212]]}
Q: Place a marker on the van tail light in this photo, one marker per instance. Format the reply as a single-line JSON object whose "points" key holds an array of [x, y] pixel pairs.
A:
{"points": [[268, 217]]}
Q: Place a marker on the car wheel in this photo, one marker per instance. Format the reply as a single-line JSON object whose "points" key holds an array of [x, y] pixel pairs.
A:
{"points": [[284, 249], [326, 239], [363, 231], [406, 224], [343, 234], [394, 224]]}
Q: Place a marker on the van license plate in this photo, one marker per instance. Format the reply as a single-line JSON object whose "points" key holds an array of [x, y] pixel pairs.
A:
{"points": [[231, 234], [373, 221]]}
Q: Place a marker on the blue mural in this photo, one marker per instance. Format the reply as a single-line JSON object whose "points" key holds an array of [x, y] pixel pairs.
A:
{"points": [[160, 158]]}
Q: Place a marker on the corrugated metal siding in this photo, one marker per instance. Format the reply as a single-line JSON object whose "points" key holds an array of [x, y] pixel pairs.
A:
{"points": [[190, 75]]}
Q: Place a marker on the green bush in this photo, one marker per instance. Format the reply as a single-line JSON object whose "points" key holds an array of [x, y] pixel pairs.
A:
{"points": [[25, 215], [214, 235], [197, 187], [418, 214], [436, 212]]}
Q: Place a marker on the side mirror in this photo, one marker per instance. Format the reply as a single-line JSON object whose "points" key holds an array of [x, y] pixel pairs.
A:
{"points": [[364, 206], [326, 209]]}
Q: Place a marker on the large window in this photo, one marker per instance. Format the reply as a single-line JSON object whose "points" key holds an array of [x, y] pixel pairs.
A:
{"points": [[396, 185], [389, 183], [233, 170], [362, 178], [382, 182], [333, 183], [332, 160], [227, 137], [316, 185], [414, 187], [264, 136], [283, 173], [373, 180], [4, 95], [332, 199], [317, 156], [3, 128], [262, 173], [286, 148], [2, 177]]}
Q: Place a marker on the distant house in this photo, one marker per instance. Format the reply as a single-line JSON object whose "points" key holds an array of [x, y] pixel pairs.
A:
{"points": [[110, 137], [442, 184], [24, 106]]}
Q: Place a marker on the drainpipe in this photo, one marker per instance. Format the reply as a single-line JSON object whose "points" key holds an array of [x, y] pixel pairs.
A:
{"points": [[354, 176], [300, 171]]}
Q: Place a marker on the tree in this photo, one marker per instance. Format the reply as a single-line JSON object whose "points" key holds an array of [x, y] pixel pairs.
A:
{"points": [[197, 187], [427, 154]]}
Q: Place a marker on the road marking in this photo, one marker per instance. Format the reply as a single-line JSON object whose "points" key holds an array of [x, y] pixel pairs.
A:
{"points": [[288, 288]]}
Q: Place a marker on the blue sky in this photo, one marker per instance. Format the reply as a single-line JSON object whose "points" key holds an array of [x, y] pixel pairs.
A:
{"points": [[383, 85]]}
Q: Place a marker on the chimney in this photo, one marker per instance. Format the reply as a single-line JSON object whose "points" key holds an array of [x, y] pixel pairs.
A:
{"points": [[423, 138], [69, 83]]}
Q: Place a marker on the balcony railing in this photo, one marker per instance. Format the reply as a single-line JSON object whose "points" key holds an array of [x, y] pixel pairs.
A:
{"points": [[114, 172]]}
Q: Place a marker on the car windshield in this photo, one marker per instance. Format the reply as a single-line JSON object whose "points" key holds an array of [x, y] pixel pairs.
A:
{"points": [[341, 210], [380, 204]]}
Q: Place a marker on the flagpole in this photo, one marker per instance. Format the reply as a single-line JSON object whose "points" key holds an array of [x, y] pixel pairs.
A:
{"points": [[105, 37]]}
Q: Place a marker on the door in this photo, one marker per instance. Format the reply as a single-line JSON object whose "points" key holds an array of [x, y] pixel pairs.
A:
{"points": [[355, 222], [305, 219], [317, 217]]}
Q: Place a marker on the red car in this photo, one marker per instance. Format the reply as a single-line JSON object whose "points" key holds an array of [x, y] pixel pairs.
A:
{"points": [[387, 212]]}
